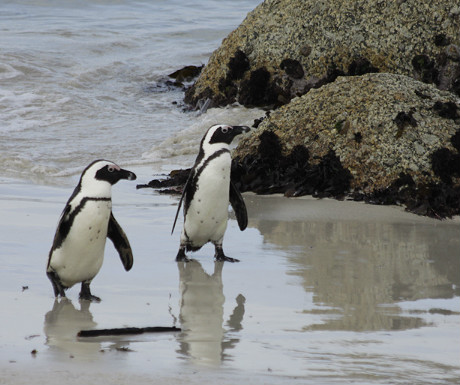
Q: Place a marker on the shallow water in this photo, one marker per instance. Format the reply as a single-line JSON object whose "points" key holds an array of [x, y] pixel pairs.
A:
{"points": [[326, 292]]}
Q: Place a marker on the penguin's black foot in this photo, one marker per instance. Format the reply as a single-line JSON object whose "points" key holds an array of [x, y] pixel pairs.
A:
{"points": [[227, 259], [181, 257], [57, 286], [89, 297], [221, 257], [85, 293]]}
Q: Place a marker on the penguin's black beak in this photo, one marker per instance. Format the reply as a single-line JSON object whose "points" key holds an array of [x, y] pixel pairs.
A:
{"points": [[237, 130], [126, 174]]}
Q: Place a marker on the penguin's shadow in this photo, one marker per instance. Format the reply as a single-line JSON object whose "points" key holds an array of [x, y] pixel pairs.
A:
{"points": [[204, 339], [62, 323]]}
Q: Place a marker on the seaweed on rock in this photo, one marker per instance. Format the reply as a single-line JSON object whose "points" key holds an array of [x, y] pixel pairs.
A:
{"points": [[436, 200], [269, 171]]}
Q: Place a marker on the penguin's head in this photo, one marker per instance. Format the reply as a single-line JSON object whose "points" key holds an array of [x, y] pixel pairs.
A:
{"points": [[218, 137], [101, 174], [221, 133]]}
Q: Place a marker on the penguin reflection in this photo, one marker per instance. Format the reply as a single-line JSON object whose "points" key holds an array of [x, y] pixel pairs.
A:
{"points": [[202, 314], [62, 323]]}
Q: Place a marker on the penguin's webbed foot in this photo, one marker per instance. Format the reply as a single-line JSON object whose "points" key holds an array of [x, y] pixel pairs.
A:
{"points": [[91, 298], [85, 293], [181, 257], [221, 257], [226, 259]]}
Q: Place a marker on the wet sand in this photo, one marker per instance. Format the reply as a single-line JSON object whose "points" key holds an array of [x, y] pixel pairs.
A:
{"points": [[326, 292]]}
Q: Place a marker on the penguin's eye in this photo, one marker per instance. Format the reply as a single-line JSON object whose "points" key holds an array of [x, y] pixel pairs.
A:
{"points": [[110, 169], [225, 129]]}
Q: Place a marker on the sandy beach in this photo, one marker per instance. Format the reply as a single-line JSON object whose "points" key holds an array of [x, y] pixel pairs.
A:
{"points": [[326, 292]]}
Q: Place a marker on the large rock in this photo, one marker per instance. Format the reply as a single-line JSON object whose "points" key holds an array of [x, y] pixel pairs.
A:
{"points": [[286, 47], [382, 136], [368, 93]]}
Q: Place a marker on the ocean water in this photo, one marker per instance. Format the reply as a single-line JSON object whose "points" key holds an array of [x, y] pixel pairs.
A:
{"points": [[82, 80]]}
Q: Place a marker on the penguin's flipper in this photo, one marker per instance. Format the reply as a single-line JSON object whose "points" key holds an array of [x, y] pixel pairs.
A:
{"points": [[63, 227], [184, 194], [239, 207], [116, 234]]}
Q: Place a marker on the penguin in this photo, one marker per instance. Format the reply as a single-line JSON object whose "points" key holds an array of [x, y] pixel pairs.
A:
{"points": [[207, 193], [87, 220]]}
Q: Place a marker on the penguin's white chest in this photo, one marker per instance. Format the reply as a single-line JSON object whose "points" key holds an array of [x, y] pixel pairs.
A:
{"points": [[207, 216], [81, 254]]}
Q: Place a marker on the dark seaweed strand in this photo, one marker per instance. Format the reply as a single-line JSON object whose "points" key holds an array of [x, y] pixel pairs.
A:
{"points": [[65, 225], [193, 183], [128, 330]]}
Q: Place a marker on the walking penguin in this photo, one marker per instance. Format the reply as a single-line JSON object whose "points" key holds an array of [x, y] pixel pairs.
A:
{"points": [[207, 193], [85, 224]]}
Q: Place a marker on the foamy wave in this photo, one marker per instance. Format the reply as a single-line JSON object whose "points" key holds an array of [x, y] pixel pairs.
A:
{"points": [[13, 106], [184, 144], [22, 111], [26, 168], [68, 172], [8, 72]]}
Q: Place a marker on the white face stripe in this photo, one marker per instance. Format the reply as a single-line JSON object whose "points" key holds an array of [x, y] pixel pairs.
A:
{"points": [[211, 132], [90, 186], [210, 149]]}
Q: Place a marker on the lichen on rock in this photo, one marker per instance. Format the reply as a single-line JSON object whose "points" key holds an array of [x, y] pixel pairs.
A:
{"points": [[284, 48]]}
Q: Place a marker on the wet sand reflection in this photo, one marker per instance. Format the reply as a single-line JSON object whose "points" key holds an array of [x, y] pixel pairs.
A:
{"points": [[62, 323], [204, 339], [358, 272]]}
